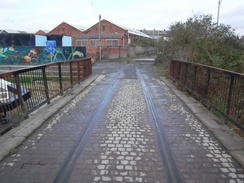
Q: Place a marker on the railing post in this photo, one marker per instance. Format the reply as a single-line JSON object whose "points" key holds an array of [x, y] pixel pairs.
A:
{"points": [[185, 82], [78, 69], [171, 68], [208, 82], [20, 98], [84, 68], [179, 68], [60, 78], [87, 68], [45, 84], [230, 94], [90, 65], [195, 78], [71, 73]]}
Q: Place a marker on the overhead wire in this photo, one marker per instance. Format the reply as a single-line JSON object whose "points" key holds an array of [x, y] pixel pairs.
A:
{"points": [[94, 7]]}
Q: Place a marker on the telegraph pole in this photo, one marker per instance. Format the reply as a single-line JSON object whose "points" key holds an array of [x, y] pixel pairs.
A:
{"points": [[218, 12], [99, 35]]}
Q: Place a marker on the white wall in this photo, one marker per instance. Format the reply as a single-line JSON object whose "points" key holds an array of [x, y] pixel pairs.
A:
{"points": [[66, 40], [40, 40]]}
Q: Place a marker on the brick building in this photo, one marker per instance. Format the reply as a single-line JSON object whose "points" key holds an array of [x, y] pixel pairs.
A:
{"points": [[65, 29], [42, 32], [114, 39], [108, 35]]}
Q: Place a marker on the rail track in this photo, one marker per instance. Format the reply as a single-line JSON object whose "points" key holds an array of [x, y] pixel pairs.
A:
{"points": [[165, 151], [173, 175], [66, 169]]}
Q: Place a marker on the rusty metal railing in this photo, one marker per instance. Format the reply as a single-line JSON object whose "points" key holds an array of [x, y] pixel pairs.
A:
{"points": [[219, 89], [22, 91]]}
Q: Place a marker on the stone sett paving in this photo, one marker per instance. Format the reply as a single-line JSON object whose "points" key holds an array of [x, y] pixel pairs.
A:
{"points": [[123, 146], [199, 156], [40, 156]]}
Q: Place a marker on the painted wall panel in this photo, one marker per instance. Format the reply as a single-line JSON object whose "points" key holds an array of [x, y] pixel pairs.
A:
{"points": [[39, 55]]}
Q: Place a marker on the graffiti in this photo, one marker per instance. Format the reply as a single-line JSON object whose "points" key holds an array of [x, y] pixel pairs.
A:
{"points": [[5, 53], [31, 55], [39, 55]]}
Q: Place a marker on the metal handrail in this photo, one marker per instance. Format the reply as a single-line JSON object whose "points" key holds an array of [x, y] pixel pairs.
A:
{"points": [[24, 90], [219, 89]]}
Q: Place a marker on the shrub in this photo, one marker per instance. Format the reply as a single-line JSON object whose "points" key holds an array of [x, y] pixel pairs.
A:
{"points": [[201, 40]]}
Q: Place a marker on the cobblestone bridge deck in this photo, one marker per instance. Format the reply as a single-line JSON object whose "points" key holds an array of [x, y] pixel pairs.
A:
{"points": [[126, 126]]}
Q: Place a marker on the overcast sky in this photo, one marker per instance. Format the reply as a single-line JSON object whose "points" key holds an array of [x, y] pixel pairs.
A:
{"points": [[30, 15]]}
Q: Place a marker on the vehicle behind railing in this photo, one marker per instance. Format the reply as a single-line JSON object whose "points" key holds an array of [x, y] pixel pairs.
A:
{"points": [[22, 91], [219, 89]]}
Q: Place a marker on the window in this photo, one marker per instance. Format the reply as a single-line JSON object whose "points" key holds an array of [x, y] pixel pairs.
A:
{"points": [[103, 27], [108, 42], [94, 43], [84, 43], [115, 43], [97, 43], [78, 43], [112, 43]]}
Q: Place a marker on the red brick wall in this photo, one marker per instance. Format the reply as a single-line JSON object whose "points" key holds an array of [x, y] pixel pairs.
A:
{"points": [[106, 27], [107, 52], [113, 53], [103, 41], [66, 29], [40, 32], [123, 52]]}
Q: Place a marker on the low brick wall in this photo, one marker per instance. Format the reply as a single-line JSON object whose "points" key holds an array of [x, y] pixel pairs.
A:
{"points": [[133, 51], [118, 52]]}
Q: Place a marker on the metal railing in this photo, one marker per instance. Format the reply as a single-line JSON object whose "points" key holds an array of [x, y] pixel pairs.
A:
{"points": [[219, 89], [22, 91]]}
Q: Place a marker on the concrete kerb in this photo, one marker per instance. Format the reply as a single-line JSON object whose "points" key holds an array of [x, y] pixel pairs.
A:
{"points": [[16, 136], [227, 137]]}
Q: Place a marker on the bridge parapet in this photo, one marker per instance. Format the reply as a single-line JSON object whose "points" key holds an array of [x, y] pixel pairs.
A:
{"points": [[24, 90], [218, 89]]}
